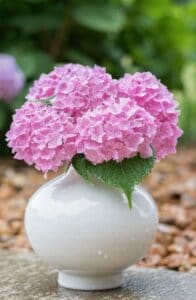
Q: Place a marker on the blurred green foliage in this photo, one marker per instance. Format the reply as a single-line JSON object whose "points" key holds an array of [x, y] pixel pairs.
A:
{"points": [[122, 35]]}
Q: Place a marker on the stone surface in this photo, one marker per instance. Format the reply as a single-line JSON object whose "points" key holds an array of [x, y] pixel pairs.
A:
{"points": [[24, 277]]}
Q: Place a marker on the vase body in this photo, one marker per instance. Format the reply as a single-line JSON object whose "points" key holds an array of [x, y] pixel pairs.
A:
{"points": [[87, 231]]}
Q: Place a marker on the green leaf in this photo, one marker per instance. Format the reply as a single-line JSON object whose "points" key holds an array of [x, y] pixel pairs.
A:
{"points": [[154, 8], [34, 23], [100, 16], [79, 57], [32, 62], [124, 175], [188, 77], [3, 116]]}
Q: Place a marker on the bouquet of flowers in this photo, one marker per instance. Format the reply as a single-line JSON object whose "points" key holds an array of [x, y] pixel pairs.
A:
{"points": [[106, 128]]}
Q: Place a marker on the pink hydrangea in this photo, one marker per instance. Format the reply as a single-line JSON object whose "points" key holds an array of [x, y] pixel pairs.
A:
{"points": [[89, 112], [11, 78], [40, 135], [149, 93], [46, 86], [115, 131], [74, 88]]}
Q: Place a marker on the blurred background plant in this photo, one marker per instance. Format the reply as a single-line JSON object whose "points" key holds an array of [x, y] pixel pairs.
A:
{"points": [[122, 35]]}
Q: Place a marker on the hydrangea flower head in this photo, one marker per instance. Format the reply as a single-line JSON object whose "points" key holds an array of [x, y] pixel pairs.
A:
{"points": [[42, 136], [115, 131], [150, 94], [11, 78], [73, 88], [89, 112]]}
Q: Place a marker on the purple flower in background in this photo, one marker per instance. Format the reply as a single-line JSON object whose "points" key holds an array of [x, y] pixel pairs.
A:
{"points": [[11, 78]]}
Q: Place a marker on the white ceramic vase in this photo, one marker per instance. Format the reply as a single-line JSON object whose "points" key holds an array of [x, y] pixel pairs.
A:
{"points": [[88, 232]]}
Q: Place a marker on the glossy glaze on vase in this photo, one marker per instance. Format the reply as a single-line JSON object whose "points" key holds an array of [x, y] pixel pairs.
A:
{"points": [[87, 232]]}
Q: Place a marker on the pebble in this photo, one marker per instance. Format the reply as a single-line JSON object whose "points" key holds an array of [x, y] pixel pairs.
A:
{"points": [[167, 229], [174, 261], [4, 229], [175, 248], [158, 248]]}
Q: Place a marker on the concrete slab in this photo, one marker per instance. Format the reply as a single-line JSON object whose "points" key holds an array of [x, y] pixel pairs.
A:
{"points": [[24, 277]]}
